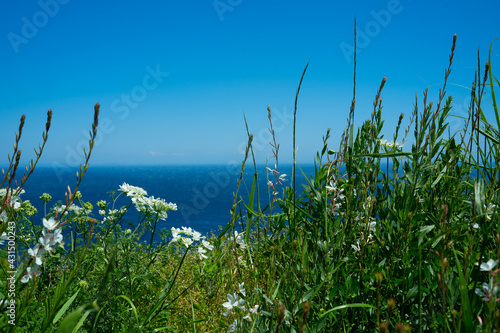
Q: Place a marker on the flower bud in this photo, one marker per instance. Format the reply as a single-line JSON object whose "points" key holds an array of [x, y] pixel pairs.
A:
{"points": [[391, 303]]}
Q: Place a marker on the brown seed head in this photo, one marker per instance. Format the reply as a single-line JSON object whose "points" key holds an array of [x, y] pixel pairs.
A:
{"points": [[391, 303], [49, 119], [281, 313]]}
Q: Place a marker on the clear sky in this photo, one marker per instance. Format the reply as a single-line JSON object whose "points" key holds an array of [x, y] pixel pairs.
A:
{"points": [[175, 78]]}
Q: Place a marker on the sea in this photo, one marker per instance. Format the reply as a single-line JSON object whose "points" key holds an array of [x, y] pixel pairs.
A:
{"points": [[203, 193]]}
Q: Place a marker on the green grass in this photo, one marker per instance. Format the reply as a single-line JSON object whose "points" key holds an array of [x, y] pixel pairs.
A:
{"points": [[365, 249]]}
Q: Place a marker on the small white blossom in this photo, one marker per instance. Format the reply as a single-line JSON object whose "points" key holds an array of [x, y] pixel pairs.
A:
{"points": [[207, 245], [233, 301], [239, 240], [356, 248], [488, 266], [31, 273], [37, 254], [253, 311], [3, 237], [390, 144], [486, 293], [132, 191], [50, 224], [232, 327], [242, 288]]}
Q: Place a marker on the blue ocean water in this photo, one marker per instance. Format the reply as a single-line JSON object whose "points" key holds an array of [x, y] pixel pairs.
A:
{"points": [[203, 193]]}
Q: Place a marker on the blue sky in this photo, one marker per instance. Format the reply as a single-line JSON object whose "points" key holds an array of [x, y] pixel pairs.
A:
{"points": [[174, 78]]}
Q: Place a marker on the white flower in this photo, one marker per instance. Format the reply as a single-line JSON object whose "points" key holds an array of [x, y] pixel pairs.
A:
{"points": [[73, 208], [232, 302], [356, 248], [132, 191], [253, 311], [37, 254], [30, 274], [196, 236], [242, 288], [207, 245], [201, 252], [390, 144], [232, 327], [14, 201], [239, 240], [46, 240], [3, 237], [332, 186], [186, 241], [57, 236], [372, 224], [488, 266], [486, 293], [175, 233], [49, 239], [282, 178], [50, 224], [490, 210]]}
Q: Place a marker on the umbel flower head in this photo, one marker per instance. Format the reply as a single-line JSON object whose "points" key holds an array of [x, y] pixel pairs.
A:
{"points": [[187, 237], [145, 204]]}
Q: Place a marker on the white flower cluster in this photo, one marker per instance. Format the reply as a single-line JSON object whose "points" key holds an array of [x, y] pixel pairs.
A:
{"points": [[489, 211], [187, 236], [132, 191], [281, 178], [239, 240], [113, 214], [488, 290], [390, 144], [13, 201], [337, 197], [239, 243], [49, 239], [237, 301], [73, 208], [145, 204]]}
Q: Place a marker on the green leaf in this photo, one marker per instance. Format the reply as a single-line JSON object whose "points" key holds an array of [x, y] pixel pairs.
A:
{"points": [[81, 321], [65, 307], [250, 210], [71, 321], [311, 292], [412, 292], [340, 307], [277, 288], [134, 310], [466, 308], [441, 174], [423, 231]]}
